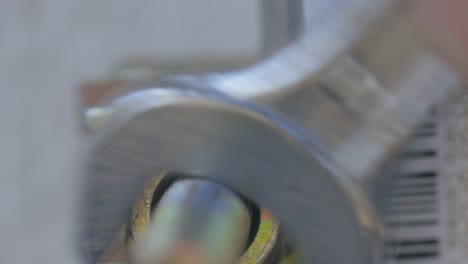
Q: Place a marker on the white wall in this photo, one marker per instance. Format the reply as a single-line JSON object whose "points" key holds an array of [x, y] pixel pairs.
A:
{"points": [[49, 47]]}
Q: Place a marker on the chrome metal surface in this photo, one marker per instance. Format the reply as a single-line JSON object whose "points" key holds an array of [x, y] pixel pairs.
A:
{"points": [[329, 29], [361, 102], [313, 125], [206, 134]]}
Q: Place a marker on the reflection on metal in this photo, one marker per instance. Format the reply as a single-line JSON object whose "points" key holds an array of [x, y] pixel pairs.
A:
{"points": [[262, 151], [193, 222], [307, 133], [264, 246]]}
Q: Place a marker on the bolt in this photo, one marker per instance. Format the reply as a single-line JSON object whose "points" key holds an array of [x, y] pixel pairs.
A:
{"points": [[196, 222]]}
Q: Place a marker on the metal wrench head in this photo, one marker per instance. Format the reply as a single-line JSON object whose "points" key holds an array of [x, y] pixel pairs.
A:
{"points": [[205, 134], [208, 134]]}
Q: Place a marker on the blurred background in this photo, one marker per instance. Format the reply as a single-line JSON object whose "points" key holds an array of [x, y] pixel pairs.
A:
{"points": [[49, 49]]}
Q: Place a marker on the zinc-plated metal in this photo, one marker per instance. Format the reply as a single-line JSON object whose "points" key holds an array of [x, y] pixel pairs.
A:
{"points": [[265, 242], [312, 125], [196, 221]]}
